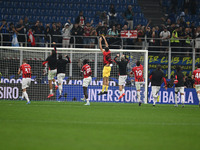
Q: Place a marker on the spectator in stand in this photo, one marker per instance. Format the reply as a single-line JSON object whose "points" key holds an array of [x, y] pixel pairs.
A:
{"points": [[113, 34], [165, 36], [22, 32], [104, 18], [14, 33], [181, 17], [26, 24], [128, 16], [175, 40], [93, 33], [4, 28], [118, 28], [87, 31], [47, 33], [99, 28], [66, 33], [197, 40], [104, 30], [55, 32], [77, 30], [38, 29], [80, 19], [187, 42], [112, 15]]}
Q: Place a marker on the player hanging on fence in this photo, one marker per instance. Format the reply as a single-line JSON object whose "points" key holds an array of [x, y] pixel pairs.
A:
{"points": [[196, 77], [61, 69], [87, 72], [179, 85], [26, 78], [52, 62], [122, 73], [156, 77], [138, 73], [107, 65]]}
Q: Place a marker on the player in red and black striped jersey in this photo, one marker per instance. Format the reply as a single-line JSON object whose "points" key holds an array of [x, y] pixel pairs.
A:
{"points": [[87, 72], [196, 77], [122, 73], [26, 78], [138, 73], [107, 61], [52, 62], [156, 79]]}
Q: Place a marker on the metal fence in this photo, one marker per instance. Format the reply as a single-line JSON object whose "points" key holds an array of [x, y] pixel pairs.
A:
{"points": [[156, 46]]}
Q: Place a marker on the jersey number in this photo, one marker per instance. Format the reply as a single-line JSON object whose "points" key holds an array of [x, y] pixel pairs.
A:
{"points": [[27, 70], [197, 76], [138, 72], [87, 71]]}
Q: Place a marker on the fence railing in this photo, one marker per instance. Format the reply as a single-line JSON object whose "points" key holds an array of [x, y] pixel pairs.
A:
{"points": [[155, 46]]}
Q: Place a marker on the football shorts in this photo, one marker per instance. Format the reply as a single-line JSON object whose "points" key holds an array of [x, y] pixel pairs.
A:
{"points": [[106, 71], [86, 81], [179, 89], [197, 87], [60, 77], [138, 85], [122, 80], [155, 90], [26, 82], [52, 74]]}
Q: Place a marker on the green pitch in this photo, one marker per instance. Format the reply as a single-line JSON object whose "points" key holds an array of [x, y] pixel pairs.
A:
{"points": [[101, 126]]}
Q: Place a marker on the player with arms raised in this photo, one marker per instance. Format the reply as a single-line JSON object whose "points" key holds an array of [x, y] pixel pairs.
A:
{"points": [[61, 68], [52, 62], [122, 73], [107, 65], [196, 77], [138, 73], [26, 78], [87, 72]]}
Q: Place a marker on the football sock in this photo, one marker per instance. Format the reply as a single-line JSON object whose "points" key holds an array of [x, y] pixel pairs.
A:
{"points": [[55, 83], [138, 96], [60, 89], [87, 100], [26, 96], [155, 100], [106, 88], [175, 98], [183, 99], [22, 94], [103, 87], [199, 96], [51, 91], [120, 92]]}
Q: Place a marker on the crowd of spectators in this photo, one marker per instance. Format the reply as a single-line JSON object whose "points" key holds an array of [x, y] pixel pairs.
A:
{"points": [[176, 30]]}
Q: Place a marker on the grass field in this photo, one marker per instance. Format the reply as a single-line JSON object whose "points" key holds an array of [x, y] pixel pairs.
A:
{"points": [[101, 126]]}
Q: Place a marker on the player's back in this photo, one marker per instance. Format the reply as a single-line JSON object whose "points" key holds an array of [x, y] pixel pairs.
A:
{"points": [[156, 77], [138, 73], [180, 78], [52, 62], [87, 71], [107, 57], [196, 74], [61, 65], [26, 70]]}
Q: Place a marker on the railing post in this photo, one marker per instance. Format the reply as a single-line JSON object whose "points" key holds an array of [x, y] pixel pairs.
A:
{"points": [[1, 39], [193, 56], [21, 55], [169, 61], [95, 63], [25, 40], [146, 77], [70, 66]]}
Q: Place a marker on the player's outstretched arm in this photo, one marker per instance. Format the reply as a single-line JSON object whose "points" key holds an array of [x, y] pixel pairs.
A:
{"points": [[100, 45], [68, 59], [105, 40], [19, 71]]}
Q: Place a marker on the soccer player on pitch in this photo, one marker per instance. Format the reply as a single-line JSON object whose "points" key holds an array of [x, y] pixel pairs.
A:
{"points": [[52, 62], [87, 72], [107, 65], [61, 68], [179, 85], [138, 73], [26, 78], [122, 73], [156, 77], [196, 77]]}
